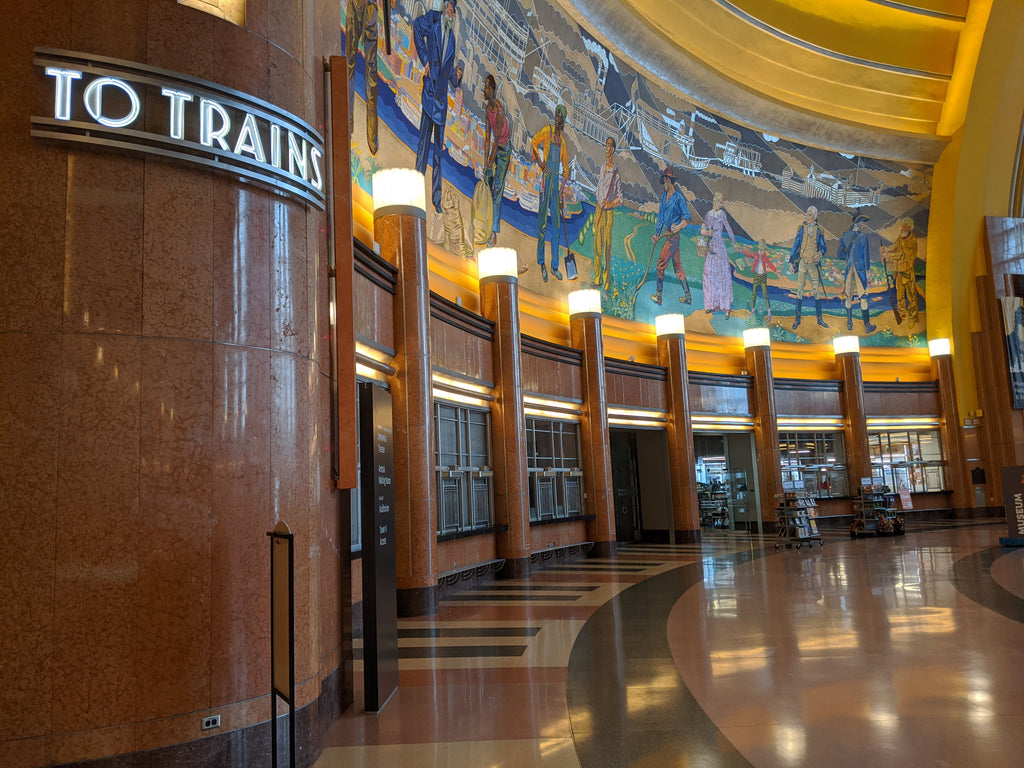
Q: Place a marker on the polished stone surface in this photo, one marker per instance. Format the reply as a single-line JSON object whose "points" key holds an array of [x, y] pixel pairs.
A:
{"points": [[899, 651]]}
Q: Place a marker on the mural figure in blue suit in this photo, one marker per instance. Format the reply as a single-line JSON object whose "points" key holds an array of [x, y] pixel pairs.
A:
{"points": [[434, 33], [855, 249]]}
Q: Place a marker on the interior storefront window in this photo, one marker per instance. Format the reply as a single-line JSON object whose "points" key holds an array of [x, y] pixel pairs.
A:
{"points": [[908, 460], [463, 464], [726, 481], [815, 462], [553, 461]]}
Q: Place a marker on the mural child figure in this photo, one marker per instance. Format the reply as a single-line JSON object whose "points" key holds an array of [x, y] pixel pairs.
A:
{"points": [[497, 152], [902, 255], [762, 264], [855, 249], [361, 27], [550, 153], [609, 196], [434, 34], [673, 217], [805, 260], [717, 268]]}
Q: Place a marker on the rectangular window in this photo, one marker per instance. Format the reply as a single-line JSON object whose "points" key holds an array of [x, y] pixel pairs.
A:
{"points": [[908, 459], [815, 462], [462, 455], [553, 461]]}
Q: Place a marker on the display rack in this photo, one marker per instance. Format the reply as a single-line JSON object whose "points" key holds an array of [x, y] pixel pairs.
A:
{"points": [[714, 507], [874, 513], [796, 513]]}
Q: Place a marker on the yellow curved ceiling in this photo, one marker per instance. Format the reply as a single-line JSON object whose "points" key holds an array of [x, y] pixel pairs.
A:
{"points": [[899, 70]]}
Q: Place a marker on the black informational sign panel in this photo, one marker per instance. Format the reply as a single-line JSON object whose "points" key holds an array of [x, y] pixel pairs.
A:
{"points": [[1013, 500], [380, 597], [282, 634]]}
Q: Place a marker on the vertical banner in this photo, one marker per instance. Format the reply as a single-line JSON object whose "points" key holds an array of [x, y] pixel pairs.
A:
{"points": [[1013, 327], [1013, 500], [341, 276], [380, 587]]}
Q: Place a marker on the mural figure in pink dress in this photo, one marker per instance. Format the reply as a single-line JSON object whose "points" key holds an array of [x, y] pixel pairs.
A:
{"points": [[717, 269]]}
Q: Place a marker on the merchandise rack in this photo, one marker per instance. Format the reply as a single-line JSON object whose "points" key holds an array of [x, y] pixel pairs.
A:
{"points": [[874, 513], [795, 513]]}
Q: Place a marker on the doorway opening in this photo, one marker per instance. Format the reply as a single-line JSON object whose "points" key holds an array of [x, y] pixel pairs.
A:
{"points": [[640, 485]]}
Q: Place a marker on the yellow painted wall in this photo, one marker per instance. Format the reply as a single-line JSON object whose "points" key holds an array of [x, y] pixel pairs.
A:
{"points": [[973, 180]]}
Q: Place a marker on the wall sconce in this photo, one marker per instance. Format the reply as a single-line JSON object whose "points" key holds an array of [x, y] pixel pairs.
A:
{"points": [[399, 190], [756, 337], [846, 345], [584, 302], [670, 325], [497, 262], [939, 347]]}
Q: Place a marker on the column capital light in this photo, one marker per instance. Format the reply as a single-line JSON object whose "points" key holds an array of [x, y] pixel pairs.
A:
{"points": [[670, 325], [399, 191], [498, 263], [754, 338], [846, 345], [585, 302], [939, 348]]}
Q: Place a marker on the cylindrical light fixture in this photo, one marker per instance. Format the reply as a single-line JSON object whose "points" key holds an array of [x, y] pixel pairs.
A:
{"points": [[497, 262], [845, 345], [670, 325], [584, 302], [756, 337], [939, 347], [399, 190]]}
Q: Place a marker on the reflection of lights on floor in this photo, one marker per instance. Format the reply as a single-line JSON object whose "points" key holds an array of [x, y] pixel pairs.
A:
{"points": [[730, 662], [982, 724], [791, 743], [885, 724], [828, 642], [981, 698], [925, 620]]}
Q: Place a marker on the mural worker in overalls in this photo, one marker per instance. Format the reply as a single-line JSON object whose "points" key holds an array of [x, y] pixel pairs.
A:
{"points": [[497, 152], [550, 154], [361, 27], [609, 196], [673, 216], [902, 255], [805, 260]]}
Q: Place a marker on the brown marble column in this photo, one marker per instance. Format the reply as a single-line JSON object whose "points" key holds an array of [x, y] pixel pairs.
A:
{"points": [[499, 299], [766, 432], [855, 424], [585, 331], [957, 478], [682, 474], [400, 231]]}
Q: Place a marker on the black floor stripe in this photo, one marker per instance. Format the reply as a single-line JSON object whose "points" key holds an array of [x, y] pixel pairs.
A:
{"points": [[410, 632], [452, 651], [625, 642], [972, 575], [616, 562], [503, 597], [536, 588], [595, 569]]}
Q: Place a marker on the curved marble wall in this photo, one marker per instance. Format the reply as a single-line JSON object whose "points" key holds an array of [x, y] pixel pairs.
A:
{"points": [[164, 395]]}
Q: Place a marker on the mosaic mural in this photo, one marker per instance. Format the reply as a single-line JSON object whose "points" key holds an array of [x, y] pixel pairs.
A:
{"points": [[533, 135]]}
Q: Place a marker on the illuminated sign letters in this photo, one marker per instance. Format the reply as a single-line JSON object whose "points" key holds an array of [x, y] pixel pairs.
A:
{"points": [[98, 101]]}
